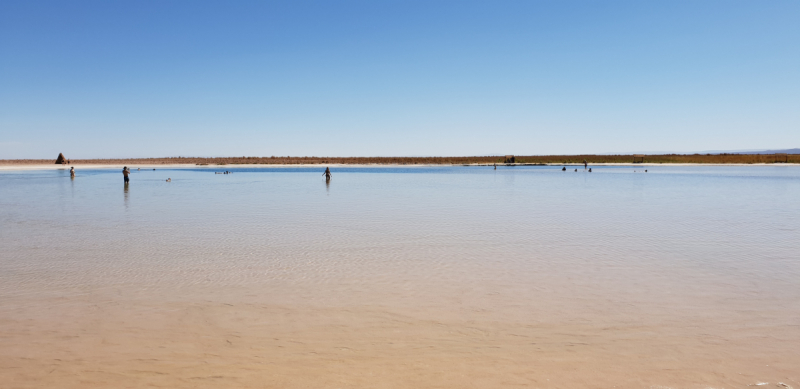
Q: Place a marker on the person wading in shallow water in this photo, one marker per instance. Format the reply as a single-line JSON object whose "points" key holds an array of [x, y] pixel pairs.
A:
{"points": [[72, 172], [125, 173], [327, 173]]}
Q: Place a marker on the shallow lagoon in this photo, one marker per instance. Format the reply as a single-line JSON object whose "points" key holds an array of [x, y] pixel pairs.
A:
{"points": [[684, 276]]}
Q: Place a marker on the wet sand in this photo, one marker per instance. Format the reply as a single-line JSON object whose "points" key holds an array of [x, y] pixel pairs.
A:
{"points": [[118, 339]]}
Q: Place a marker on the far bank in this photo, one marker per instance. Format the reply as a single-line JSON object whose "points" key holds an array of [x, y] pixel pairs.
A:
{"points": [[631, 159]]}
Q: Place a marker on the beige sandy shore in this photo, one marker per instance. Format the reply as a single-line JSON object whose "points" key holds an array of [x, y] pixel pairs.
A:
{"points": [[125, 339]]}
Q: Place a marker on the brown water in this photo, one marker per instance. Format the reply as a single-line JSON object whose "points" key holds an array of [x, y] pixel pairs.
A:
{"points": [[446, 277]]}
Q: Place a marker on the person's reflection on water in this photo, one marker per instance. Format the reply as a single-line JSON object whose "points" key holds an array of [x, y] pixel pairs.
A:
{"points": [[125, 191], [328, 185]]}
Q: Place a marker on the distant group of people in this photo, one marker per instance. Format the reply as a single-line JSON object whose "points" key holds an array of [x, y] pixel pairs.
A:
{"points": [[126, 172], [585, 166]]}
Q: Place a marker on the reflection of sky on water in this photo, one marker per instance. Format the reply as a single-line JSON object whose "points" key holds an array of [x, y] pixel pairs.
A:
{"points": [[728, 233]]}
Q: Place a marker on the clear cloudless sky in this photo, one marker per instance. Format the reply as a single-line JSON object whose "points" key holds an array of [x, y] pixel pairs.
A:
{"points": [[96, 79]]}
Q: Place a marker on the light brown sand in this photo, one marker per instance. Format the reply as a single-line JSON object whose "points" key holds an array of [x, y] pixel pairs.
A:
{"points": [[117, 338]]}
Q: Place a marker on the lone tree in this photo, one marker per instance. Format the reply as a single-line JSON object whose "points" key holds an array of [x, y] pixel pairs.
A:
{"points": [[61, 160]]}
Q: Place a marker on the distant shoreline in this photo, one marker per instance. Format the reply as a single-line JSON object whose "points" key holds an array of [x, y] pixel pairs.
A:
{"points": [[134, 166], [520, 160]]}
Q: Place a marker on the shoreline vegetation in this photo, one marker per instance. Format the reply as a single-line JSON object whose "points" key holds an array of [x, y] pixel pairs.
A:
{"points": [[475, 160]]}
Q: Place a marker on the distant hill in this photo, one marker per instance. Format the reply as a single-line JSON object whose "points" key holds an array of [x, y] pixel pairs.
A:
{"points": [[787, 151], [710, 152]]}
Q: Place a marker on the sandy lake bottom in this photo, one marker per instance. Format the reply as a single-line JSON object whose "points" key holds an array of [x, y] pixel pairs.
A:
{"points": [[390, 277]]}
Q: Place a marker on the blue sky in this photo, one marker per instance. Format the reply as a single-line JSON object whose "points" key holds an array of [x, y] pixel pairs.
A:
{"points": [[97, 79]]}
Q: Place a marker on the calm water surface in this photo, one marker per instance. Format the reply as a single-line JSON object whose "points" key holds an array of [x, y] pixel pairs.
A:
{"points": [[719, 246], [679, 227]]}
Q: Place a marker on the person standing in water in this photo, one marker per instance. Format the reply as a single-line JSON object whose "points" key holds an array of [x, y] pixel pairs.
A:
{"points": [[327, 173], [585, 165], [72, 172], [125, 172]]}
